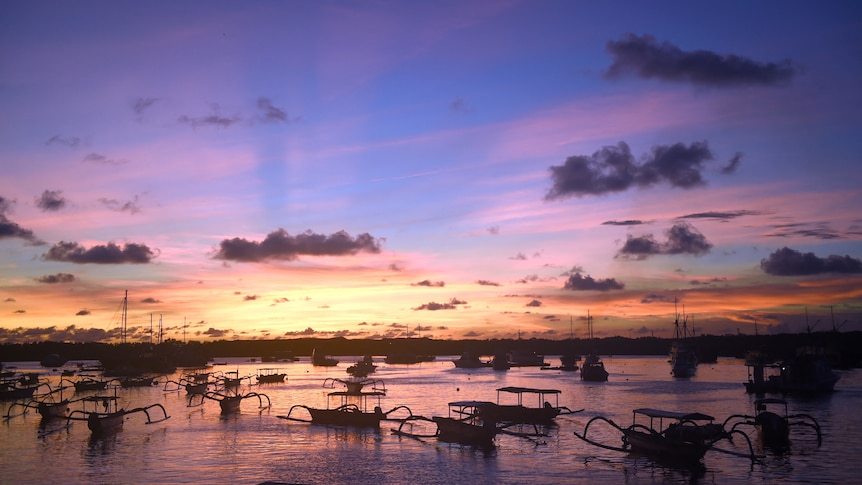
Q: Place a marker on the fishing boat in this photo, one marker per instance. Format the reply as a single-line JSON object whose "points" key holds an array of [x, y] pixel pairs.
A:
{"points": [[593, 369], [270, 376], [685, 440], [322, 360], [683, 359], [362, 367], [469, 360], [353, 405], [500, 361], [807, 372], [773, 422], [462, 426], [543, 414], [527, 359]]}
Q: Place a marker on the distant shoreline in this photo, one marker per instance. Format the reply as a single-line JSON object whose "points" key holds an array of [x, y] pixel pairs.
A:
{"points": [[845, 348]]}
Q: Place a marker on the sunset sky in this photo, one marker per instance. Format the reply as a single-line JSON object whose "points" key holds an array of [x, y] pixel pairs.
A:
{"points": [[463, 169]]}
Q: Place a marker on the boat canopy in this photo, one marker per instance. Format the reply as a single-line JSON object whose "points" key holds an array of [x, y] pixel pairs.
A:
{"points": [[521, 390], [659, 413]]}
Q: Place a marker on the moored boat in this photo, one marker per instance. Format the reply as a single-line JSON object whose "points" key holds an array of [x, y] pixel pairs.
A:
{"points": [[504, 412]]}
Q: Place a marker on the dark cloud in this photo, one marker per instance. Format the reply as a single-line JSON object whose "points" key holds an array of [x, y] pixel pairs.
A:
{"points": [[579, 282], [732, 164], [727, 215], [56, 278], [82, 313], [614, 169], [682, 238], [628, 222], [519, 257], [487, 283], [215, 333], [71, 142], [50, 200], [685, 239], [534, 303], [9, 229], [280, 245], [646, 58], [142, 104], [460, 105], [708, 281], [213, 119], [270, 112], [103, 160], [20, 311], [111, 253], [54, 334], [789, 262], [533, 278], [9, 300], [429, 283], [130, 206], [250, 298], [494, 230], [433, 306], [655, 298], [151, 300]]}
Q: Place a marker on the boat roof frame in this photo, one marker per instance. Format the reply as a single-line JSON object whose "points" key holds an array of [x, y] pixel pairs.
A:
{"points": [[520, 391]]}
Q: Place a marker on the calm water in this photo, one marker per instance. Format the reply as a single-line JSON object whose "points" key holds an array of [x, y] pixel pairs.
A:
{"points": [[197, 445]]}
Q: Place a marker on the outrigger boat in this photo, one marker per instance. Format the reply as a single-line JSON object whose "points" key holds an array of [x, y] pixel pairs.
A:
{"points": [[774, 425], [194, 384], [353, 405], [544, 414], [685, 440], [48, 406], [19, 386], [270, 376], [87, 383], [229, 403], [110, 418], [462, 426]]}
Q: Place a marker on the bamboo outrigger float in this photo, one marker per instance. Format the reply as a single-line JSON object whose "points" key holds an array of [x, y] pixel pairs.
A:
{"points": [[230, 402], [685, 440], [774, 425], [110, 418]]}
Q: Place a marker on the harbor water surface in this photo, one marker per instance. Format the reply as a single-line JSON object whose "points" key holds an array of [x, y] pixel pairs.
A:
{"points": [[199, 445]]}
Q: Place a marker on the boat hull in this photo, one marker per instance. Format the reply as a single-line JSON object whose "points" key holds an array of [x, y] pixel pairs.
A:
{"points": [[450, 430], [662, 448], [106, 423], [346, 417], [497, 413]]}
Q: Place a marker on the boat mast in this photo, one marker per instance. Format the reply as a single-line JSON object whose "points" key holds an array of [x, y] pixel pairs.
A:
{"points": [[124, 317]]}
